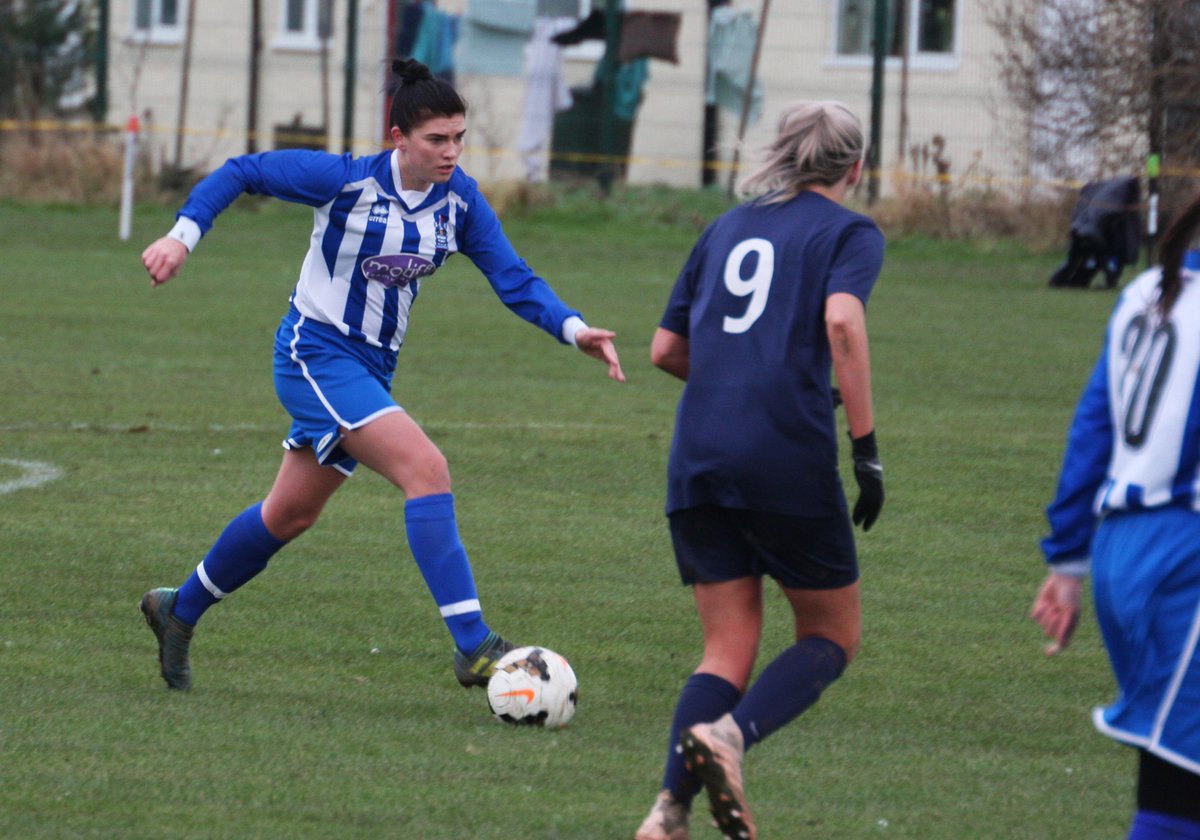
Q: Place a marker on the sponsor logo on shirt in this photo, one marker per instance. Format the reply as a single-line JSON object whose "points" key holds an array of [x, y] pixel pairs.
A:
{"points": [[379, 212], [397, 269]]}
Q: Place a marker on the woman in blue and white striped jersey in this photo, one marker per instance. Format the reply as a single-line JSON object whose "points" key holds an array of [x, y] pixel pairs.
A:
{"points": [[1128, 510], [382, 224]]}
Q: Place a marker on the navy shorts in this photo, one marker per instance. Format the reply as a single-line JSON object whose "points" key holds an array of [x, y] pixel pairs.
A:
{"points": [[714, 544], [329, 383]]}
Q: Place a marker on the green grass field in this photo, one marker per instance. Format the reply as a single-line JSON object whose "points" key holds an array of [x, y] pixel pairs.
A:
{"points": [[324, 704]]}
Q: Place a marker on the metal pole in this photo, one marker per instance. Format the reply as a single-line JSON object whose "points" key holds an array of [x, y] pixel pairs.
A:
{"points": [[1160, 54], [181, 120], [324, 19], [708, 173], [902, 35], [608, 116], [351, 70], [100, 102], [880, 56], [252, 93], [1153, 169], [748, 97]]}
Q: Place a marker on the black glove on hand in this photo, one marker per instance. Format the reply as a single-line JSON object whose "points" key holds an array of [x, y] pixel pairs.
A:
{"points": [[868, 472]]}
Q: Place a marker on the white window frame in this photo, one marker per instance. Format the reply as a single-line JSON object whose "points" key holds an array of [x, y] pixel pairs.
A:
{"points": [[949, 60], [158, 32], [306, 39]]}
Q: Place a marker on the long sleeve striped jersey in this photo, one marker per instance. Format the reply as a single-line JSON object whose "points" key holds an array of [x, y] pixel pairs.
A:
{"points": [[369, 251], [1135, 438]]}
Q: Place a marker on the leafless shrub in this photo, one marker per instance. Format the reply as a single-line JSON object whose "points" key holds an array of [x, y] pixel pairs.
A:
{"points": [[925, 197], [1102, 83], [79, 167]]}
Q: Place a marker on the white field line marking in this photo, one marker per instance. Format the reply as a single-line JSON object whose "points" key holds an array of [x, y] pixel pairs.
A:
{"points": [[35, 474]]}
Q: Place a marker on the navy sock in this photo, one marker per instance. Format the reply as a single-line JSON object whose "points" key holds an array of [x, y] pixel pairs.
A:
{"points": [[438, 550], [788, 686], [240, 553], [704, 698], [1148, 825]]}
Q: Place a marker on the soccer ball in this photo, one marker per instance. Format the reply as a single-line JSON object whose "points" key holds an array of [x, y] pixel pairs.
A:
{"points": [[533, 686]]}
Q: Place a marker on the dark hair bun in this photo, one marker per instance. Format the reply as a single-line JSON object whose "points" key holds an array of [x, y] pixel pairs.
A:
{"points": [[409, 71]]}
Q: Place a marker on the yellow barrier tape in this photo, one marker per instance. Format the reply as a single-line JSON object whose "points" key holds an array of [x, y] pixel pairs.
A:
{"points": [[938, 180]]}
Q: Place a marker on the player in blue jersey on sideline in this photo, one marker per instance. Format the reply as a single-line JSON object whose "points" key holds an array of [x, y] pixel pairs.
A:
{"points": [[382, 224], [772, 297], [1127, 509]]}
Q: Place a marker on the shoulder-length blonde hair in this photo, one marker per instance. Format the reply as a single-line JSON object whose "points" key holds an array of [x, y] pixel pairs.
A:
{"points": [[818, 142]]}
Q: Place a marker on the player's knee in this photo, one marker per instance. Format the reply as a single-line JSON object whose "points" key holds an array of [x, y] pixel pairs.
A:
{"points": [[848, 640], [288, 523], [426, 476]]}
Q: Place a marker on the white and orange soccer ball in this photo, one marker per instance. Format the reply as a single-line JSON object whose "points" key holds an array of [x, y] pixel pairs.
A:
{"points": [[533, 686]]}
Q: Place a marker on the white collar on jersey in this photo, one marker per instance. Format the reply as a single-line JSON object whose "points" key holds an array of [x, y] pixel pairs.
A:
{"points": [[411, 198]]}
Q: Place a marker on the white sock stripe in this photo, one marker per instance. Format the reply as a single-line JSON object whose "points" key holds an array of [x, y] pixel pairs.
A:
{"points": [[461, 608], [213, 589]]}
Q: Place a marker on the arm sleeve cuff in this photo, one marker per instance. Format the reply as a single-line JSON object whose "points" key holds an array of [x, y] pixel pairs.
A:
{"points": [[1072, 568], [186, 231], [570, 327]]}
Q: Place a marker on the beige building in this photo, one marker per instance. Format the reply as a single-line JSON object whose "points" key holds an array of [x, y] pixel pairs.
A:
{"points": [[940, 80]]}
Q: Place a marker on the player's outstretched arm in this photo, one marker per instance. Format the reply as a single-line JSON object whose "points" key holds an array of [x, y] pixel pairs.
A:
{"points": [[598, 344], [1056, 609], [163, 259]]}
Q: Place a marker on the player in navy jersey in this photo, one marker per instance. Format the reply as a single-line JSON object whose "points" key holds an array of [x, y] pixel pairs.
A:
{"points": [[1127, 509], [382, 225], [772, 297]]}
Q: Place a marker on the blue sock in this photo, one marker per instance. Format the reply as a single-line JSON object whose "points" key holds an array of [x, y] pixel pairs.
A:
{"points": [[1151, 825], [433, 538], [704, 698], [240, 553], [788, 686]]}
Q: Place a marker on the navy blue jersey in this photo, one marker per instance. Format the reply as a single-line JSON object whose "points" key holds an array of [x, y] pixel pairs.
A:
{"points": [[755, 428]]}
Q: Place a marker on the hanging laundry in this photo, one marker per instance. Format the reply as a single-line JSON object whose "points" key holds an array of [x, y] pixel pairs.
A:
{"points": [[630, 79], [410, 25], [493, 35], [546, 93], [731, 38], [557, 9], [428, 42], [448, 38], [649, 35], [592, 28]]}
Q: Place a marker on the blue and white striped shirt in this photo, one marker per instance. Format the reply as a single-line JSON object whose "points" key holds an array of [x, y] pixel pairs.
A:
{"points": [[370, 248], [1135, 439]]}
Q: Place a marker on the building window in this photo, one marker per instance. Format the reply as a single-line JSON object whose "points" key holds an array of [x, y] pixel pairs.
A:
{"points": [[934, 26], [931, 26], [159, 21], [304, 24]]}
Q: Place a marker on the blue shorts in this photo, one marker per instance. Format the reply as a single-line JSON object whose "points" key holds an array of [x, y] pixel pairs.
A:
{"points": [[329, 383], [1146, 582], [714, 544]]}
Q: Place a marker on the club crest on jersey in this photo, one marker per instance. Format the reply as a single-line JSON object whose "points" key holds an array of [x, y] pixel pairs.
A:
{"points": [[397, 269], [439, 231], [379, 212]]}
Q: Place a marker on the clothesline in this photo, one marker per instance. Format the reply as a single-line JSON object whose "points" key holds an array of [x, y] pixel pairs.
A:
{"points": [[525, 38]]}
